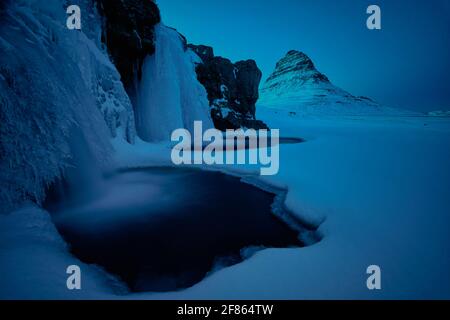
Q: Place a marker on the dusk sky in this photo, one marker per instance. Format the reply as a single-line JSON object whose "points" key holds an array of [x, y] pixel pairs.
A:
{"points": [[406, 64]]}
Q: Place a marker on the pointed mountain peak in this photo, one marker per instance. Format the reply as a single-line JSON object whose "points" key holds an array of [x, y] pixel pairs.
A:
{"points": [[298, 65], [294, 61], [297, 54], [296, 83]]}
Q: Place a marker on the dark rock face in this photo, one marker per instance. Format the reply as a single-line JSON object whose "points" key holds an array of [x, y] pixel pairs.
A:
{"points": [[204, 52], [232, 89], [129, 33], [248, 78], [233, 120]]}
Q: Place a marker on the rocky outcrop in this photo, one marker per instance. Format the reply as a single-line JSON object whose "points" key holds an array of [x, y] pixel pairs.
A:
{"points": [[296, 84], [232, 89], [129, 33]]}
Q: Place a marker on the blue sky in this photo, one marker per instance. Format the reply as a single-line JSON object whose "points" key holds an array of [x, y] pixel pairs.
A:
{"points": [[406, 64]]}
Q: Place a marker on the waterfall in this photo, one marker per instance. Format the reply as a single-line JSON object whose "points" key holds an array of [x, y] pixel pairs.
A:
{"points": [[170, 96]]}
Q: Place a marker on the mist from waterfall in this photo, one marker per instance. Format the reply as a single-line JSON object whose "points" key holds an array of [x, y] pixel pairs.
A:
{"points": [[170, 96]]}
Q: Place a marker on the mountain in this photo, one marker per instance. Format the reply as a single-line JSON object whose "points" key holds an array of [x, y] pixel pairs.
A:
{"points": [[297, 85]]}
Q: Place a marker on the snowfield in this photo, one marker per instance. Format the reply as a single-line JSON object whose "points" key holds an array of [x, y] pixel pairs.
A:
{"points": [[378, 187]]}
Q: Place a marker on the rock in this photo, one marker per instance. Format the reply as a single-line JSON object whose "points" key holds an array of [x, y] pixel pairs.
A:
{"points": [[234, 120], [129, 33], [248, 77], [232, 89], [204, 52]]}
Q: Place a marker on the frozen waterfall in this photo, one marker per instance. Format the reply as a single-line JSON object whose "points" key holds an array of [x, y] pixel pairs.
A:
{"points": [[170, 96]]}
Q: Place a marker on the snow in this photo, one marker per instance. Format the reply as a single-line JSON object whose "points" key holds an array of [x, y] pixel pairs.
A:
{"points": [[295, 88], [170, 96], [324, 100], [378, 187], [34, 259]]}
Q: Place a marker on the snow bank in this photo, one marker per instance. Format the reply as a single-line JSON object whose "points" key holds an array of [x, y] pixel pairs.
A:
{"points": [[34, 259]]}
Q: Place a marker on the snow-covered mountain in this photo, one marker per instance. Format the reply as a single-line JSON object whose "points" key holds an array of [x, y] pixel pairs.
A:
{"points": [[296, 85]]}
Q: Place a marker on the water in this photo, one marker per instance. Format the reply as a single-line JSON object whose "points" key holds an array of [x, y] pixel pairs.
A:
{"points": [[164, 229]]}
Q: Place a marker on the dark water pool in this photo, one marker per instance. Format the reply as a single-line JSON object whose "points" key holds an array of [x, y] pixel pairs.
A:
{"points": [[163, 229]]}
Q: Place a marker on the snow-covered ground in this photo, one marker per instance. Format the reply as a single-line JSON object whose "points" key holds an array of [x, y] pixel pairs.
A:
{"points": [[379, 185]]}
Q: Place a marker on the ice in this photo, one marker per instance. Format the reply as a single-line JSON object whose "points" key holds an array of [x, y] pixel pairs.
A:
{"points": [[45, 97], [170, 96], [59, 95]]}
